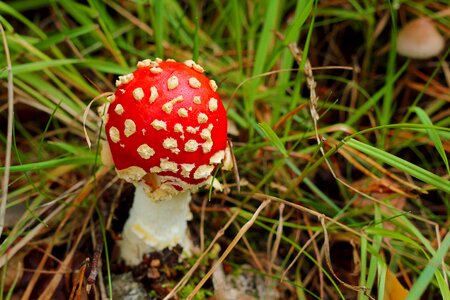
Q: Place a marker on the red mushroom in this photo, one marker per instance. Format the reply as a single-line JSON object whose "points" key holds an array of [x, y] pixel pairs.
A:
{"points": [[167, 132]]}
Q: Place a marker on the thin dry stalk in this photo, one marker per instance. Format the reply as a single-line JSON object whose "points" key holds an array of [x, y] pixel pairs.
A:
{"points": [[369, 174], [276, 243], [306, 245], [383, 170], [230, 247], [71, 124], [311, 83], [250, 252], [81, 196], [326, 247], [30, 236], [103, 293], [9, 132], [263, 197], [86, 112], [133, 19], [318, 256], [194, 267], [96, 257], [297, 53], [114, 203], [235, 166], [289, 115], [446, 70], [47, 294]]}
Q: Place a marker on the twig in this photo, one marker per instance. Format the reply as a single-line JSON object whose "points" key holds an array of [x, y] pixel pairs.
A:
{"points": [[77, 287], [9, 132], [96, 262]]}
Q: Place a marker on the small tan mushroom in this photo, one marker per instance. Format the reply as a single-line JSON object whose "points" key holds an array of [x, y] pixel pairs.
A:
{"points": [[419, 39]]}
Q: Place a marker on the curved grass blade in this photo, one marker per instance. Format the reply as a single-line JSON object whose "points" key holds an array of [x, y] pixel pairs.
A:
{"points": [[401, 164], [273, 138], [433, 134]]}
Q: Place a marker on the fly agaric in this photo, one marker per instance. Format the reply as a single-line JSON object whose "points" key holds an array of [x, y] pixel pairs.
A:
{"points": [[167, 132]]}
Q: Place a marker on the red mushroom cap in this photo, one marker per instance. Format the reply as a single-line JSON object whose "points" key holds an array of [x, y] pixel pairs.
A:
{"points": [[166, 118]]}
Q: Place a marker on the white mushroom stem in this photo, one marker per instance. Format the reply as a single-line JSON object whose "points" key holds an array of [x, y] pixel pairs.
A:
{"points": [[155, 225]]}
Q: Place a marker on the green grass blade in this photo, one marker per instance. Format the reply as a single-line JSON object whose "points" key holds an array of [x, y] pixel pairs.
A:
{"points": [[443, 285], [196, 45], [264, 47], [308, 38], [80, 12], [388, 100], [65, 35], [108, 25], [273, 138], [374, 249], [401, 164], [302, 13], [411, 228], [427, 274], [399, 236], [8, 10], [363, 273], [313, 187], [432, 133], [39, 66], [108, 67], [381, 278], [158, 27], [80, 160], [236, 25]]}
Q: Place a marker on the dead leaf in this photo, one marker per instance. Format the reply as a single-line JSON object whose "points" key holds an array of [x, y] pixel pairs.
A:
{"points": [[394, 290]]}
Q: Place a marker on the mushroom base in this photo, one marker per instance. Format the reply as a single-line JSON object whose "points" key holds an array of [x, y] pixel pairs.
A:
{"points": [[155, 225]]}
